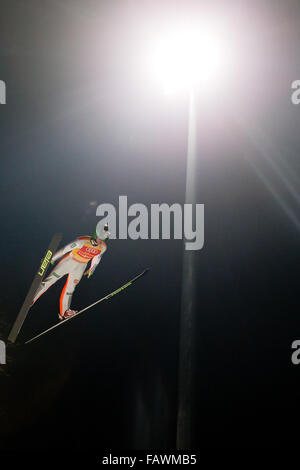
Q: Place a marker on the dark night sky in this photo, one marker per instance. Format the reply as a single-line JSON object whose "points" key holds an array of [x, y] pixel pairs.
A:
{"points": [[83, 123]]}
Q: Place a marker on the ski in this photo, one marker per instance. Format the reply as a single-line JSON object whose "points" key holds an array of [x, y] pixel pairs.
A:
{"points": [[54, 243], [62, 322]]}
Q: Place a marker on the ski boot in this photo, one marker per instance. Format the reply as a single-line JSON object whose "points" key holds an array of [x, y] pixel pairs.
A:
{"points": [[68, 313]]}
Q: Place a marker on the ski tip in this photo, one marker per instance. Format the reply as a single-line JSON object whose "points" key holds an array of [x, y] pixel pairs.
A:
{"points": [[30, 340], [146, 270]]}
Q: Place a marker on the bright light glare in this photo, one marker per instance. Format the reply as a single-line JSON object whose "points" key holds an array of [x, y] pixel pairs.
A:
{"points": [[185, 58]]}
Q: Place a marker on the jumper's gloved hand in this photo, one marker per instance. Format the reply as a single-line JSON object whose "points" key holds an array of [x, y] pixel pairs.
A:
{"points": [[88, 273], [52, 262]]}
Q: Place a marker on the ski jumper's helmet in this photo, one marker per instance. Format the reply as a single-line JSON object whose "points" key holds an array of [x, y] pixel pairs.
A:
{"points": [[102, 232]]}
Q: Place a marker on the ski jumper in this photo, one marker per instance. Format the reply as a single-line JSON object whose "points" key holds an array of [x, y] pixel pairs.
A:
{"points": [[80, 252]]}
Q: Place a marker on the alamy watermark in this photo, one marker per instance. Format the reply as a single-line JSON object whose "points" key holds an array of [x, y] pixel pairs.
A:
{"points": [[2, 352], [2, 92], [295, 358], [295, 96], [158, 222]]}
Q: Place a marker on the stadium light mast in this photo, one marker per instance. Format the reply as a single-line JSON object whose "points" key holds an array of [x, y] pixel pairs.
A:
{"points": [[184, 61]]}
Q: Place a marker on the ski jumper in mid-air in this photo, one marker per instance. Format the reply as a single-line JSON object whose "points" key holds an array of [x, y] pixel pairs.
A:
{"points": [[80, 252]]}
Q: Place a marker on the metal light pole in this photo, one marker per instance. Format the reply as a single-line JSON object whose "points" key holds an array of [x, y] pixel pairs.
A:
{"points": [[183, 59], [187, 321]]}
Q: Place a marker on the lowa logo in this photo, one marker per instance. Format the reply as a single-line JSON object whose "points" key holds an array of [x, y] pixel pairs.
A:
{"points": [[45, 263]]}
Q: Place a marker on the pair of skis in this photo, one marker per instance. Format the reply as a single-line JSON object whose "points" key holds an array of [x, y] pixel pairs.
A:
{"points": [[37, 281]]}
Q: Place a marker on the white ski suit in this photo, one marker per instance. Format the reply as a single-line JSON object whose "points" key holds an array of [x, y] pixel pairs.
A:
{"points": [[80, 252]]}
